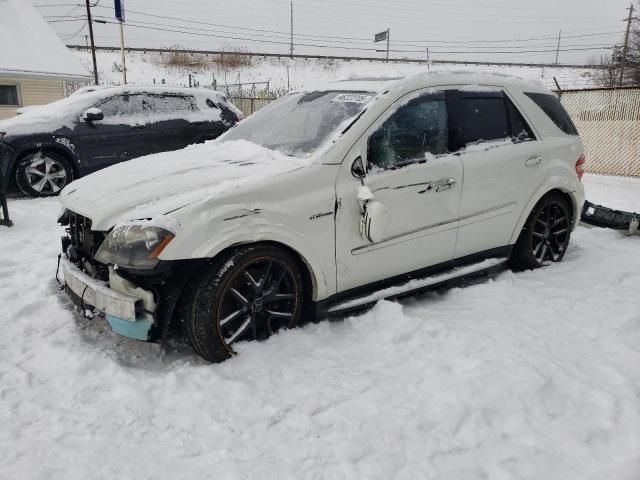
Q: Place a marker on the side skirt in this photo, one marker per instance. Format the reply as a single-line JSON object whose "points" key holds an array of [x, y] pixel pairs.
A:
{"points": [[430, 278]]}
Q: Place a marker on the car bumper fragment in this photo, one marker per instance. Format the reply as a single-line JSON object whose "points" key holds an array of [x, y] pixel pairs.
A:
{"points": [[121, 310]]}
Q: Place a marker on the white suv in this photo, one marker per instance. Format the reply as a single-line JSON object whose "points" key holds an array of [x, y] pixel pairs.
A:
{"points": [[327, 200]]}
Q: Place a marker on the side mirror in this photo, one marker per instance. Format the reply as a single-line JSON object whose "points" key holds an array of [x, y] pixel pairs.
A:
{"points": [[375, 216], [92, 115], [374, 221], [357, 168]]}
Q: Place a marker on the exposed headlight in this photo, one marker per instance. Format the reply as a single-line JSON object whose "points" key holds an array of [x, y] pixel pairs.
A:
{"points": [[134, 246]]}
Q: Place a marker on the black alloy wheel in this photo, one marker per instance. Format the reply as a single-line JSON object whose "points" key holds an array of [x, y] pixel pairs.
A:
{"points": [[545, 236], [550, 233], [259, 299], [247, 294]]}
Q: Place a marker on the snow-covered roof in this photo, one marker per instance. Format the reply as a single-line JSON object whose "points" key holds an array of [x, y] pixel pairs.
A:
{"points": [[29, 46], [427, 79]]}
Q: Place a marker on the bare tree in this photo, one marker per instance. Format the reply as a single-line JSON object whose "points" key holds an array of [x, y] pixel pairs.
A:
{"points": [[608, 69]]}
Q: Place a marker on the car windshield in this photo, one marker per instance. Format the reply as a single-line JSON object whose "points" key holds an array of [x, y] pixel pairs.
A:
{"points": [[299, 123]]}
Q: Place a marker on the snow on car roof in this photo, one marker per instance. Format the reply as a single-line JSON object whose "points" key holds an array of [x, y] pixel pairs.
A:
{"points": [[428, 79]]}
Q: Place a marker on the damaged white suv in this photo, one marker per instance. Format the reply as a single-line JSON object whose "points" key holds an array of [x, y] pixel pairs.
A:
{"points": [[327, 200]]}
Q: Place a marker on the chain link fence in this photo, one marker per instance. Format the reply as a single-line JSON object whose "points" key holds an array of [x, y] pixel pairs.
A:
{"points": [[609, 123]]}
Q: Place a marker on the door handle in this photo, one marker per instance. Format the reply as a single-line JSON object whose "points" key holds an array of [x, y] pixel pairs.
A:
{"points": [[533, 161], [440, 185]]}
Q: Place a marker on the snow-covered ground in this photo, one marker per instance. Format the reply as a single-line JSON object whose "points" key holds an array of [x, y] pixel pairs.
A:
{"points": [[534, 375], [146, 68]]}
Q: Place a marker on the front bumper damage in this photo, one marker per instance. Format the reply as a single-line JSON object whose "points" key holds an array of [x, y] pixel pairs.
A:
{"points": [[129, 310], [599, 216]]}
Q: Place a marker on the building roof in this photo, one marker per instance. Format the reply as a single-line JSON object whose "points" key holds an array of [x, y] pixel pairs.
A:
{"points": [[29, 46]]}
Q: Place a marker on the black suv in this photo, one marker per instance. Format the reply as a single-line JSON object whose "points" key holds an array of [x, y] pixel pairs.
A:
{"points": [[48, 146]]}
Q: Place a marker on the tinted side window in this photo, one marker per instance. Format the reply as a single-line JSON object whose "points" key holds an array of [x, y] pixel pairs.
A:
{"points": [[477, 117], [122, 105], [156, 103], [520, 130], [555, 111], [414, 130]]}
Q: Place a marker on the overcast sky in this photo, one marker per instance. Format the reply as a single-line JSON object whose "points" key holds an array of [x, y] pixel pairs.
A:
{"points": [[509, 30]]}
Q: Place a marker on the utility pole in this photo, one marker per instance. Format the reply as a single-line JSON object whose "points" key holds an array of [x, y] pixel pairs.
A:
{"points": [[120, 15], [291, 52], [124, 65], [93, 45], [558, 49], [388, 36], [626, 43]]}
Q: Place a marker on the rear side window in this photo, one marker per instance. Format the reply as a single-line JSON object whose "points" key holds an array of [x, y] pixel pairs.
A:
{"points": [[477, 117], [122, 105], [520, 130], [155, 103], [555, 111]]}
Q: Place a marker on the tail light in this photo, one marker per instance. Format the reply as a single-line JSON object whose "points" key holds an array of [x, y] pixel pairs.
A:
{"points": [[580, 166]]}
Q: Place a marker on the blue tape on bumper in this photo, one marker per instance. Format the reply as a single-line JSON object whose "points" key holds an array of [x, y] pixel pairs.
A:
{"points": [[138, 330]]}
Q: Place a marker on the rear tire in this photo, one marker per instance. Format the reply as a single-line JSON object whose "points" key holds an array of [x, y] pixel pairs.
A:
{"points": [[545, 235], [247, 294], [43, 174]]}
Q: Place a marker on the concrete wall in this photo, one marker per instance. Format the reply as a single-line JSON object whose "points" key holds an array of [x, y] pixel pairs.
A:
{"points": [[32, 91]]}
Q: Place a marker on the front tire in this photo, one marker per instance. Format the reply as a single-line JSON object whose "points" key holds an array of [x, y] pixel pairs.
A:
{"points": [[43, 174], [545, 235], [247, 294]]}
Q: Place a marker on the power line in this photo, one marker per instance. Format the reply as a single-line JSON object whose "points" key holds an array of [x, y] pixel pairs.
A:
{"points": [[353, 38], [368, 43], [135, 25]]}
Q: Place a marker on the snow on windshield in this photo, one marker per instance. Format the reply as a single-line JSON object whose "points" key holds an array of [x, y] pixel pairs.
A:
{"points": [[301, 122]]}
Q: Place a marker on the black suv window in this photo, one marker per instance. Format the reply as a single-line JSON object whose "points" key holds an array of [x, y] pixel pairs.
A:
{"points": [[477, 117], [483, 116], [414, 130], [554, 110], [159, 103], [520, 130], [122, 105]]}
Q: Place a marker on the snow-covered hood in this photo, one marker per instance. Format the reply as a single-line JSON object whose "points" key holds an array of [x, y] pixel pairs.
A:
{"points": [[154, 185]]}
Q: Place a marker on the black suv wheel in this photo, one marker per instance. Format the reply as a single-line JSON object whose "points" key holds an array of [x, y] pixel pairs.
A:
{"points": [[43, 174]]}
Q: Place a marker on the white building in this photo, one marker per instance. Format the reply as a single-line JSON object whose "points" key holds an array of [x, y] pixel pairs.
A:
{"points": [[34, 62]]}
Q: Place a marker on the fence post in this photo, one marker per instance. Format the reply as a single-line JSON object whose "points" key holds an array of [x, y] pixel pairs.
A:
{"points": [[4, 219]]}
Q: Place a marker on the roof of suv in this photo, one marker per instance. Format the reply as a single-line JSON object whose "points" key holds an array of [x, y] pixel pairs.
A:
{"points": [[431, 79]]}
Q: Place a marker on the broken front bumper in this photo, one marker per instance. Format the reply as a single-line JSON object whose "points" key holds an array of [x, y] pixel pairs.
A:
{"points": [[124, 312], [604, 217]]}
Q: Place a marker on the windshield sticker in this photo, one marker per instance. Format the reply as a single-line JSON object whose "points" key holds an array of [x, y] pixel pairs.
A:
{"points": [[352, 98]]}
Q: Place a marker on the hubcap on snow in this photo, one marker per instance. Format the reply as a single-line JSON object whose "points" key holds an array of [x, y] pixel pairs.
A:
{"points": [[259, 299], [550, 233], [45, 174]]}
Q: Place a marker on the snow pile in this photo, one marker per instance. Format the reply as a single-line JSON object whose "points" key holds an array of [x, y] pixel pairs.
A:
{"points": [[138, 189], [534, 375]]}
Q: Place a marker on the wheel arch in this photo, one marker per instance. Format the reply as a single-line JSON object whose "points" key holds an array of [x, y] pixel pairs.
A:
{"points": [[566, 193], [319, 277]]}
